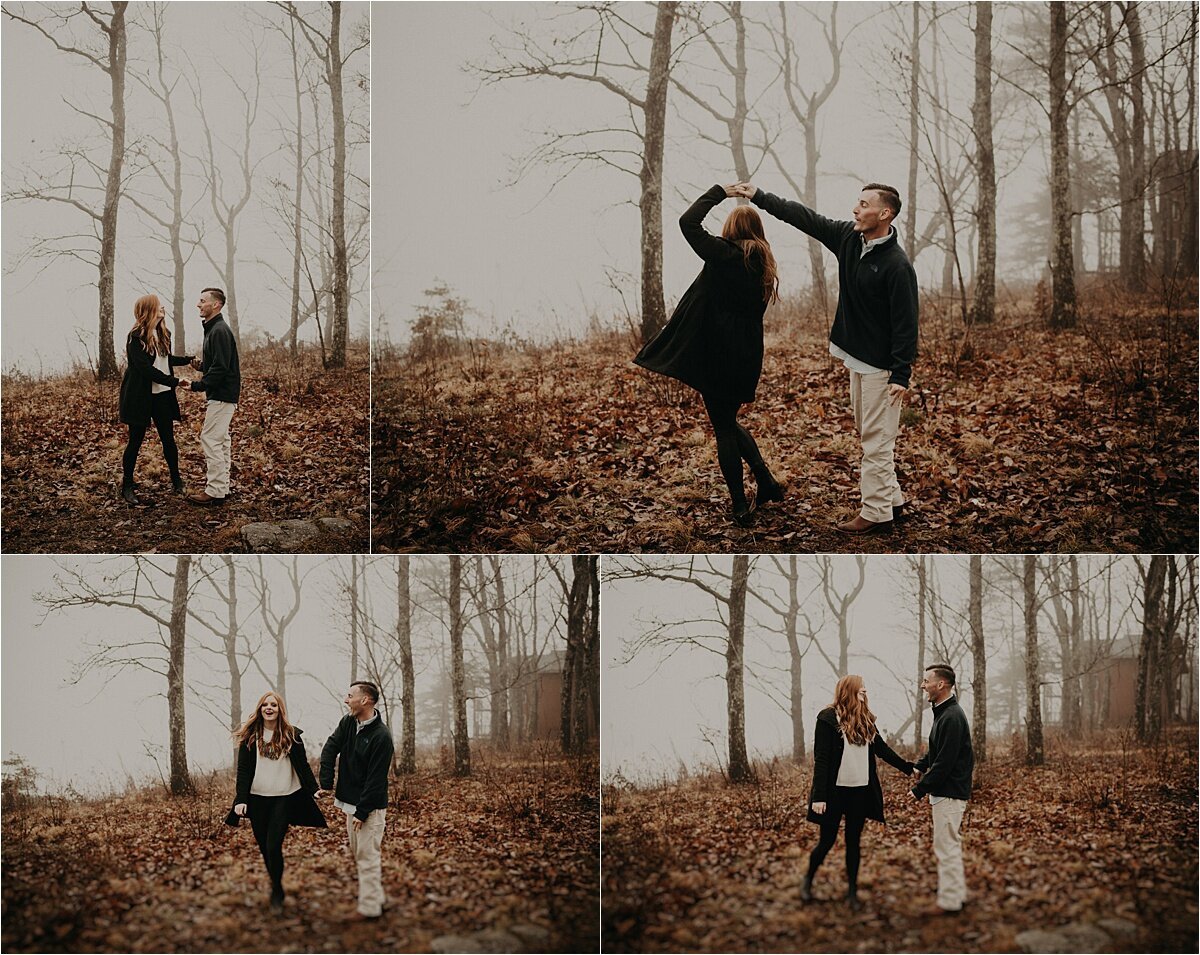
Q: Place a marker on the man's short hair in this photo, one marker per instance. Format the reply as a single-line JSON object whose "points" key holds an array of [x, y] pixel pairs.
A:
{"points": [[368, 688], [942, 671], [216, 293], [889, 195]]}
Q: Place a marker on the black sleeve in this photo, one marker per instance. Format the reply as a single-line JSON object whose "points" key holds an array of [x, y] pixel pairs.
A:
{"points": [[375, 783], [180, 360], [950, 742], [140, 363], [308, 782], [329, 753], [904, 300], [246, 763], [829, 232], [709, 247], [218, 355], [881, 749], [824, 738]]}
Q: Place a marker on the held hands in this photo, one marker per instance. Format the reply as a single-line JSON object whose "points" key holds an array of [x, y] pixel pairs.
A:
{"points": [[240, 809], [195, 363], [320, 794], [818, 808], [743, 190]]}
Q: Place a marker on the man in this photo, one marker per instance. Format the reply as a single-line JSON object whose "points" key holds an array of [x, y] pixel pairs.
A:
{"points": [[362, 747], [944, 775], [222, 384], [874, 332]]}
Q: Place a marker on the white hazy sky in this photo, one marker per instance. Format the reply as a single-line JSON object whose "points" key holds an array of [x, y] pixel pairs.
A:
{"points": [[655, 709], [46, 310], [94, 732], [536, 258]]}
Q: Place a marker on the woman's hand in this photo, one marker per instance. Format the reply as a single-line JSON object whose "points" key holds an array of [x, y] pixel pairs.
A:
{"points": [[240, 809], [731, 191], [818, 808]]}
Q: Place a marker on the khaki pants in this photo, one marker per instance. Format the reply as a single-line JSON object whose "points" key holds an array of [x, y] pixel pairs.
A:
{"points": [[214, 439], [947, 848], [366, 848], [878, 421]]}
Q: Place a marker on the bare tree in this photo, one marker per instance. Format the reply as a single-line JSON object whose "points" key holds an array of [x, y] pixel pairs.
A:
{"points": [[983, 307], [408, 742], [1062, 266], [462, 745], [609, 53], [276, 622], [979, 662], [1034, 752], [106, 50], [840, 603]]}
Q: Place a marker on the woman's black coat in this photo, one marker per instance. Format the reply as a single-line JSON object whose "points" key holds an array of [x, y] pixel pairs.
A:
{"points": [[714, 340], [140, 375], [828, 746], [302, 808]]}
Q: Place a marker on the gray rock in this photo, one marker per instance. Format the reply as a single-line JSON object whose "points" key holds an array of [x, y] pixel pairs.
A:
{"points": [[261, 537], [533, 937], [1078, 938], [1085, 938], [1118, 928], [1037, 940], [486, 942], [335, 525], [295, 534]]}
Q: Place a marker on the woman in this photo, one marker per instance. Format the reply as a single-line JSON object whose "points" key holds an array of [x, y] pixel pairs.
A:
{"points": [[148, 390], [844, 779], [275, 784], [714, 340]]}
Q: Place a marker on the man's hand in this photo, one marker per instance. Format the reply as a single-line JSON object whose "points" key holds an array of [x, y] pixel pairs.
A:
{"points": [[917, 774], [895, 393], [358, 824], [731, 191], [195, 363], [916, 795], [819, 808], [320, 794], [743, 189]]}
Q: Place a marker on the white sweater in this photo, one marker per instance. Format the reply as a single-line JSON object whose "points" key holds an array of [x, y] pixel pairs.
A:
{"points": [[274, 777]]}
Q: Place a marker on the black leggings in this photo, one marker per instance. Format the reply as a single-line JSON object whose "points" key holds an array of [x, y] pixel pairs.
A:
{"points": [[161, 415], [850, 802], [269, 820], [734, 444]]}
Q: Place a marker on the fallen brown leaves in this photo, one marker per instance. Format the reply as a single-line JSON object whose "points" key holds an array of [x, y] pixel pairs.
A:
{"points": [[516, 843], [300, 442], [701, 866], [1029, 444]]}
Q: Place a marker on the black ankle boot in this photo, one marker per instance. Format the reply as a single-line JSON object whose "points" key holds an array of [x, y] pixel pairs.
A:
{"points": [[806, 889], [768, 490], [127, 491], [177, 484], [742, 515], [852, 901], [277, 898]]}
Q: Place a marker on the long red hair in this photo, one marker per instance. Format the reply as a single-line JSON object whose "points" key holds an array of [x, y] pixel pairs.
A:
{"points": [[147, 328], [744, 226], [250, 733], [854, 717]]}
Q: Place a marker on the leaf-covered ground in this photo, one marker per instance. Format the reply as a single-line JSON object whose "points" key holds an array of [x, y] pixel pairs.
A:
{"points": [[701, 866], [1035, 441], [300, 450], [518, 843]]}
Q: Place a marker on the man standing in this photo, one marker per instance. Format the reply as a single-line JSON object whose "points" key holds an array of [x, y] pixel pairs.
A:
{"points": [[944, 774], [362, 747], [874, 332], [222, 384]]}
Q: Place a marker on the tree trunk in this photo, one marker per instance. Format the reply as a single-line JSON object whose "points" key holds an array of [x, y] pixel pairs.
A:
{"points": [[739, 762], [983, 308], [914, 100], [1072, 682], [795, 662], [353, 618], [231, 661], [297, 213], [106, 354], [341, 268], [1034, 750], [408, 740], [1146, 710], [181, 781], [462, 746], [654, 309], [979, 659], [922, 598], [593, 654], [1135, 211], [1062, 269]]}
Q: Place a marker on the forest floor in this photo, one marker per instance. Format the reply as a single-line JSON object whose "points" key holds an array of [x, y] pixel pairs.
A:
{"points": [[1014, 439], [517, 843], [300, 450], [1098, 832]]}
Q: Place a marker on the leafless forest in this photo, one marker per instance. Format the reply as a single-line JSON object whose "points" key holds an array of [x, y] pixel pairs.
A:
{"points": [[1049, 188], [489, 670], [1078, 677], [224, 146]]}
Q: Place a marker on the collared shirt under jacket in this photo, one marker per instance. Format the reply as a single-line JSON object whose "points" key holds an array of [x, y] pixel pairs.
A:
{"points": [[714, 340]]}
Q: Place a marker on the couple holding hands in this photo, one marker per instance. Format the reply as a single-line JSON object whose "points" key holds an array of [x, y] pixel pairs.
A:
{"points": [[148, 393], [846, 785], [714, 340]]}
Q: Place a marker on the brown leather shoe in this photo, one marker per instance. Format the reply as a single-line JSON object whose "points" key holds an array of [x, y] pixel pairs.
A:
{"points": [[860, 525], [201, 498], [936, 911]]}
